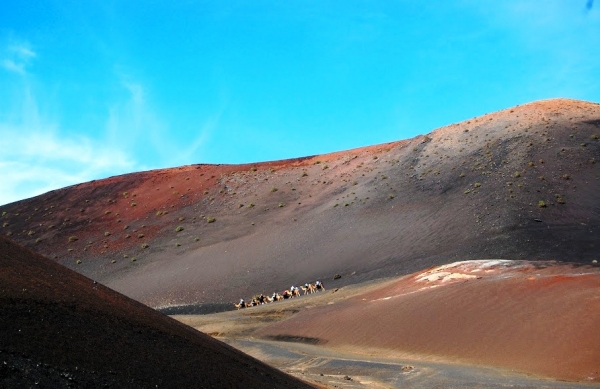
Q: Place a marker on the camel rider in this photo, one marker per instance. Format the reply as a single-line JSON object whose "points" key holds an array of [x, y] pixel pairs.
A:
{"points": [[306, 285], [318, 284], [242, 302]]}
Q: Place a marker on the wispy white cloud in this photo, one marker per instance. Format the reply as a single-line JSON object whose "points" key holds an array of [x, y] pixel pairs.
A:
{"points": [[16, 57], [38, 155], [36, 160], [11, 66]]}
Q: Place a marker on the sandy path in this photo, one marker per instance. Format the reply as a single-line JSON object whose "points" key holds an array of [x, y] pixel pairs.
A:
{"points": [[333, 368]]}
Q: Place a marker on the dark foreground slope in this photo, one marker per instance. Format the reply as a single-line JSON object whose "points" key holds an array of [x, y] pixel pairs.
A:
{"points": [[60, 329], [521, 183]]}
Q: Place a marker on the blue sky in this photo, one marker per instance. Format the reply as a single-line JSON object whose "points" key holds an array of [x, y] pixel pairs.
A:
{"points": [[91, 89]]}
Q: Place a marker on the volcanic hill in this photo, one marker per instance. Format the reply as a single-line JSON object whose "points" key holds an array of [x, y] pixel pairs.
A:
{"points": [[521, 183], [61, 329]]}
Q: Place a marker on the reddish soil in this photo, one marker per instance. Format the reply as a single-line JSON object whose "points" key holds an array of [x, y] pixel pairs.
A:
{"points": [[61, 329], [539, 318], [521, 183]]}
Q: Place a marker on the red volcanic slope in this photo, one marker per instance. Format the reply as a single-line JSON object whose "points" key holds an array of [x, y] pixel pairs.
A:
{"points": [[541, 318], [521, 183], [60, 329]]}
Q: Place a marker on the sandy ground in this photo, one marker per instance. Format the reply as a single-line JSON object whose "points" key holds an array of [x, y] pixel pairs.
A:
{"points": [[452, 323]]}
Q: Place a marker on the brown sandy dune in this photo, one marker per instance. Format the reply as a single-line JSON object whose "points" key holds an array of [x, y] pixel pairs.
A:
{"points": [[540, 318], [521, 183], [60, 329]]}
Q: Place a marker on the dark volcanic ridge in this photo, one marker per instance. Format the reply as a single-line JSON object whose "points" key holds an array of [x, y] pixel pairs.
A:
{"points": [[521, 183], [61, 329]]}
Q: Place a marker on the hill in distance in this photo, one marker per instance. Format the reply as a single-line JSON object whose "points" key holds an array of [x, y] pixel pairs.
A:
{"points": [[521, 183], [60, 329]]}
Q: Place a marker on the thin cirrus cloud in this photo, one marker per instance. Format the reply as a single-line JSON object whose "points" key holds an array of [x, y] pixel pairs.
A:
{"points": [[16, 57], [38, 155], [34, 162]]}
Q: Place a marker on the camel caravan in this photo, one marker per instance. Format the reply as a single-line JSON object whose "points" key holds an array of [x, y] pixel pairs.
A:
{"points": [[292, 292]]}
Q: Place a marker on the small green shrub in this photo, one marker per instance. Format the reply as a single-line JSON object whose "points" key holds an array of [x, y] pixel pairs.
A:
{"points": [[273, 189], [210, 219], [280, 205], [72, 239], [517, 174], [107, 233], [179, 228], [477, 185], [78, 261], [140, 236], [542, 204], [133, 204], [145, 245]]}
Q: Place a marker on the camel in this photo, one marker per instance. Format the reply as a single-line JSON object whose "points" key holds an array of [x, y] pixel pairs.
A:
{"points": [[308, 289], [319, 286], [296, 292], [276, 297], [242, 304]]}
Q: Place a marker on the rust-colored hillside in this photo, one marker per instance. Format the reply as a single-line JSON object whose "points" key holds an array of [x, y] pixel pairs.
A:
{"points": [[59, 329], [538, 318], [517, 184]]}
